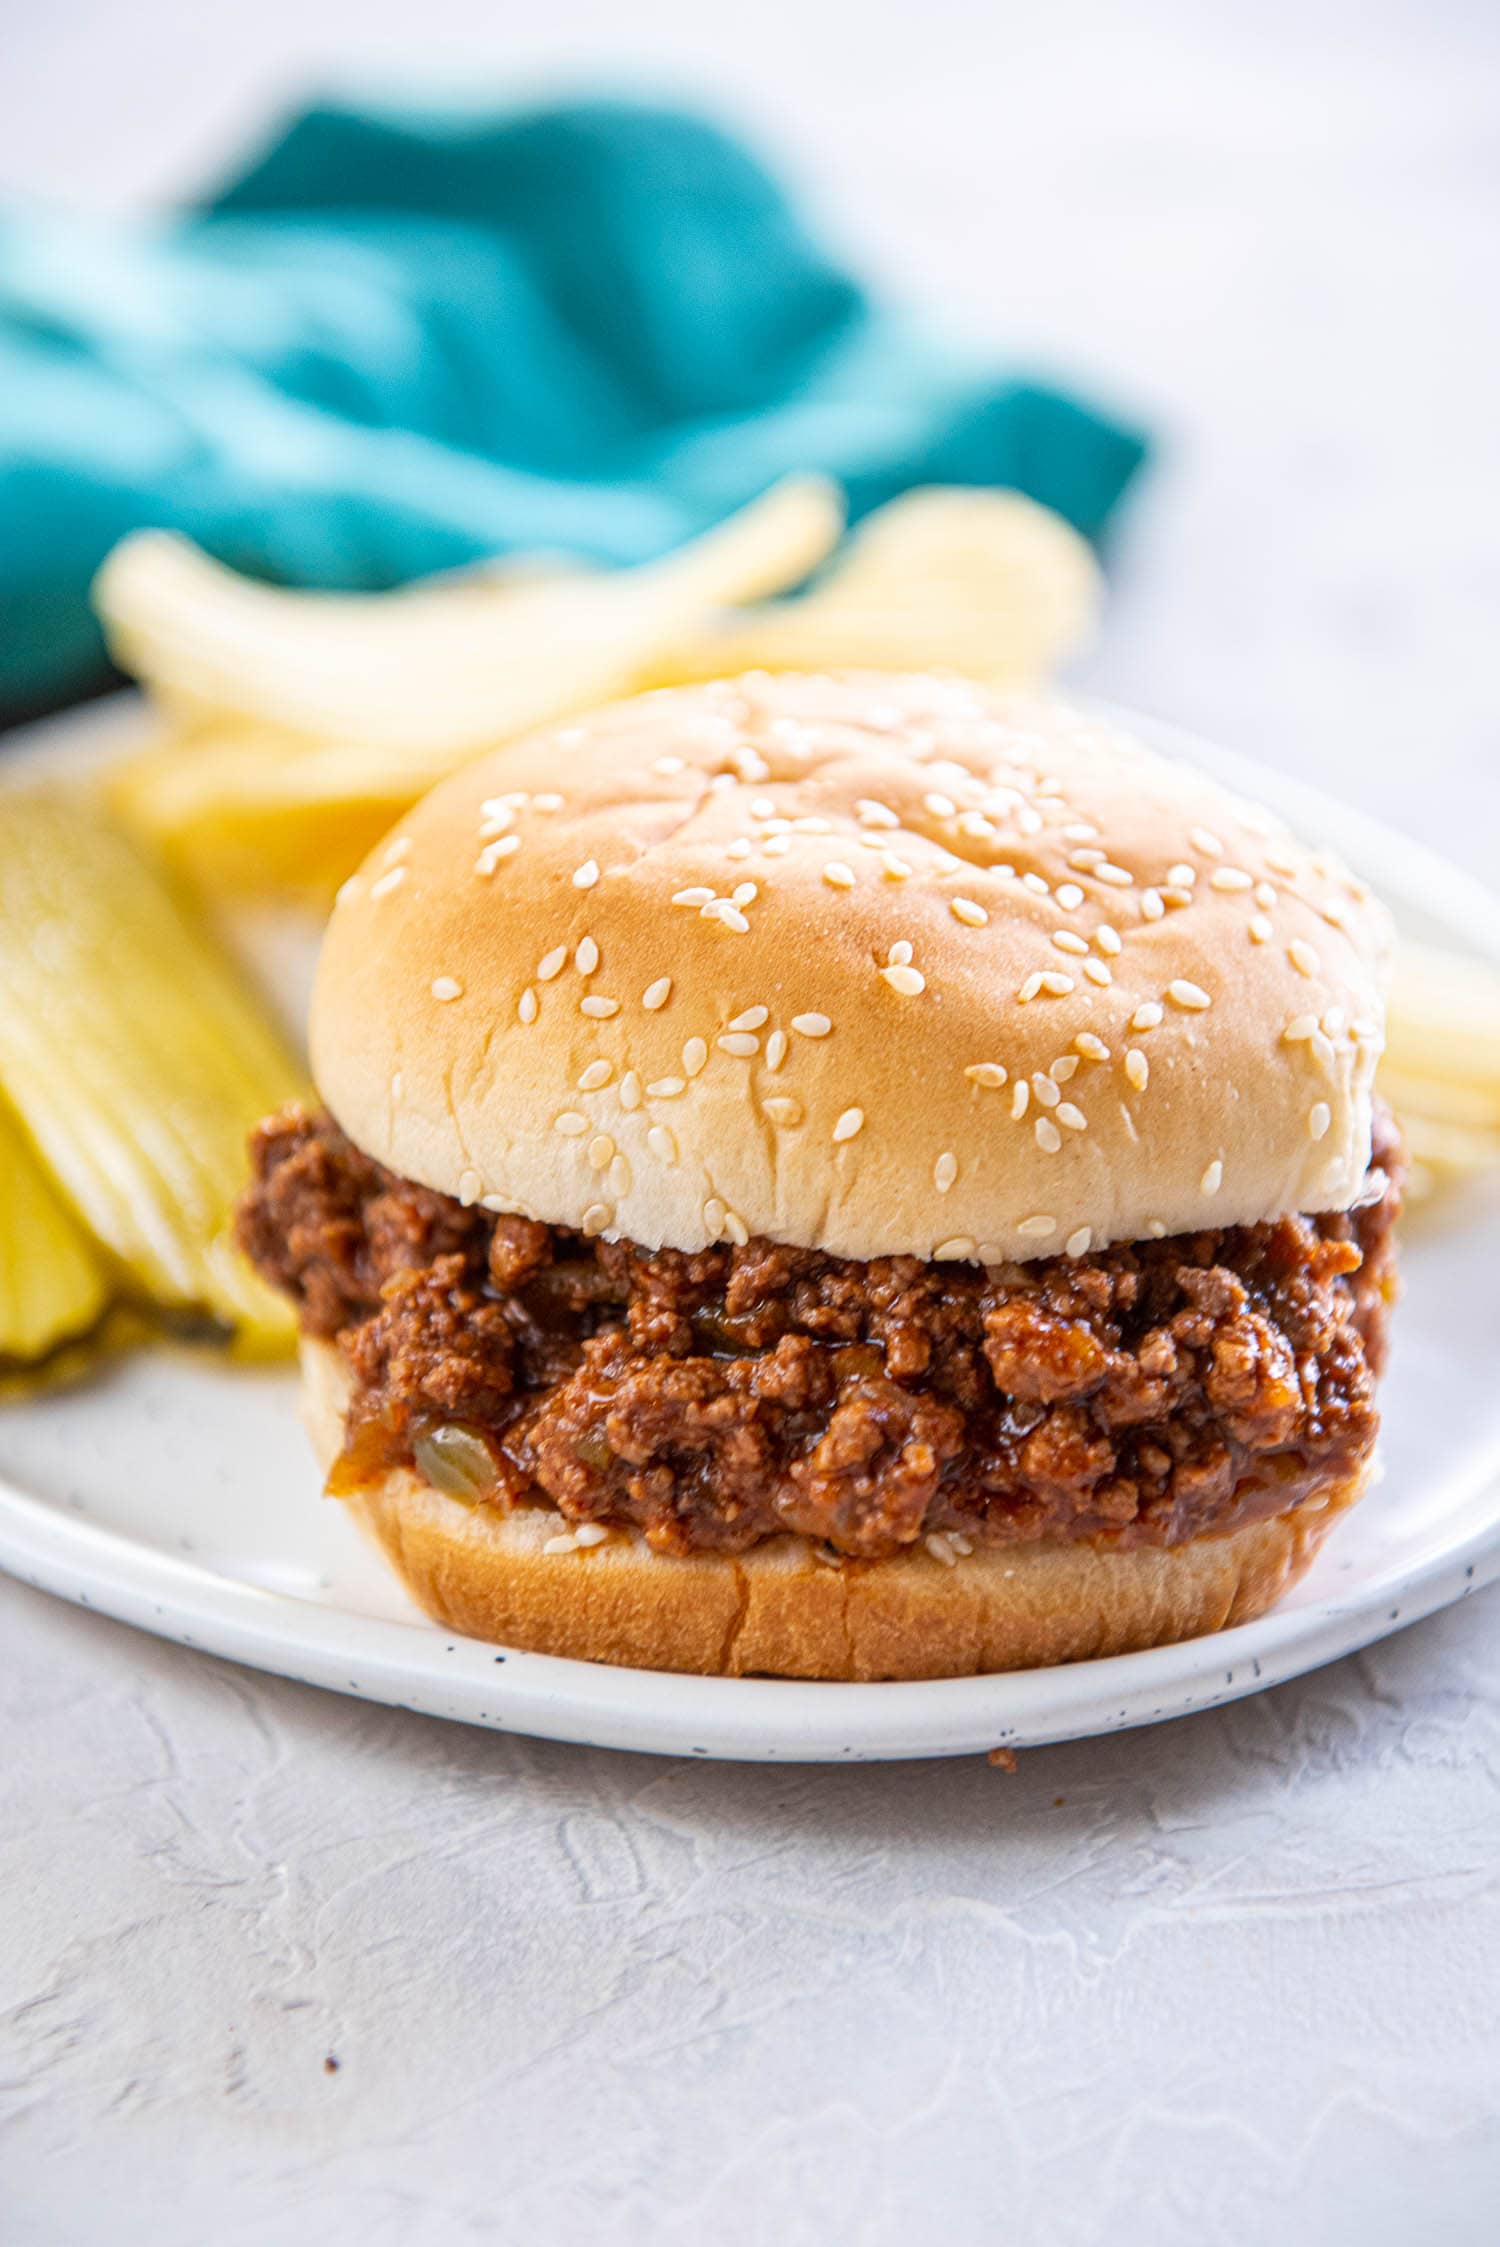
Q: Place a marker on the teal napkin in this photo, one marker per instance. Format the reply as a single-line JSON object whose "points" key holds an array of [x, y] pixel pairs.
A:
{"points": [[406, 339]]}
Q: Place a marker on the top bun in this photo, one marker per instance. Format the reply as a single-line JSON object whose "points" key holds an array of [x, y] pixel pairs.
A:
{"points": [[872, 964]]}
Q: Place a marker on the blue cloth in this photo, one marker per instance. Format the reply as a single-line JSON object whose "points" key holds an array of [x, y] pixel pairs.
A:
{"points": [[406, 339]]}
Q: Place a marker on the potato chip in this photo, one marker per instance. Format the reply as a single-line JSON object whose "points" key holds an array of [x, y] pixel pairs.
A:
{"points": [[135, 1058]]}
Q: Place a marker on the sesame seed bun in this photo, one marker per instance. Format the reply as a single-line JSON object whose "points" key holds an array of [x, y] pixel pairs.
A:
{"points": [[518, 1580], [871, 964]]}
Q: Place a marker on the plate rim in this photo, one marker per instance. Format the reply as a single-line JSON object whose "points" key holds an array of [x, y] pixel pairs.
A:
{"points": [[396, 1662]]}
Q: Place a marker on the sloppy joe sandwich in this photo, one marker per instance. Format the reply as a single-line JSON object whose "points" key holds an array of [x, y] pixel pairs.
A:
{"points": [[846, 1177]]}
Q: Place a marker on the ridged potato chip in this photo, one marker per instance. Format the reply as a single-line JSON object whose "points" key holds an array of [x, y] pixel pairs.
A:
{"points": [[135, 1058]]}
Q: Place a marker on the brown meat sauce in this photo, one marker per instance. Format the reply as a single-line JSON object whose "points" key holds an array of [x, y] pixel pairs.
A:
{"points": [[1142, 1395]]}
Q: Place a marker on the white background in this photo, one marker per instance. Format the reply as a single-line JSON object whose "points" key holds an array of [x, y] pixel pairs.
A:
{"points": [[1231, 1981]]}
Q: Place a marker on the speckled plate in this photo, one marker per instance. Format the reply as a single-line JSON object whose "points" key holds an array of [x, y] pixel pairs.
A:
{"points": [[179, 1494]]}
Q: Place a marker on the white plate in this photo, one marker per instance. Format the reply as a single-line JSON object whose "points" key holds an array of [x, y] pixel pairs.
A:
{"points": [[179, 1495]]}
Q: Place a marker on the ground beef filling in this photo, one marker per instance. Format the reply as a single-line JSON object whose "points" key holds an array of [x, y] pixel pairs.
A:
{"points": [[1139, 1396]]}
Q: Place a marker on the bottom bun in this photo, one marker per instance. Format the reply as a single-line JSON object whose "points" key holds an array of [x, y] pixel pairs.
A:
{"points": [[777, 1611]]}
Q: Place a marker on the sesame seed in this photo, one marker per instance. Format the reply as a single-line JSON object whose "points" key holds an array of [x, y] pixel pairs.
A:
{"points": [[736, 1228], [595, 1218], [1229, 877], [590, 1533], [549, 800], [896, 869], [665, 1088], [499, 815], [570, 1124], [599, 1009], [851, 1121], [1147, 1017], [1079, 1243], [1260, 929], [988, 1073], [399, 846], [740, 848], [974, 823], [585, 876], [752, 1018], [586, 958], [964, 909], [1190, 996], [601, 1151], [1045, 1088], [561, 1544], [944, 1171], [745, 893], [397, 875], [1265, 895], [1030, 988], [667, 766], [730, 915], [697, 895], [1152, 907], [1177, 897], [1063, 1068], [492, 854], [1086, 860], [1069, 896], [775, 1049], [1182, 876], [1048, 1137], [959, 1250], [714, 1214], [873, 814], [740, 1044], [1137, 1068], [1067, 941], [552, 963], [1319, 1117], [1208, 843], [630, 1090], [1020, 1096], [940, 1549], [656, 995], [1302, 956], [899, 954], [694, 1056], [812, 1025], [1097, 972], [1108, 940], [837, 875], [777, 847], [782, 1110], [1092, 1048], [1071, 1118], [812, 826], [596, 1074], [1116, 876], [446, 987], [1212, 1179], [940, 806], [1037, 1228], [1056, 986], [1333, 1021], [526, 1005]]}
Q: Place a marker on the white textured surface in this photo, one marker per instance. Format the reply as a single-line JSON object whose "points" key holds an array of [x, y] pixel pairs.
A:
{"points": [[1238, 1984]]}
